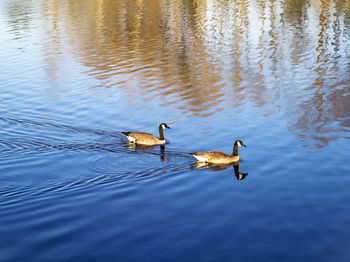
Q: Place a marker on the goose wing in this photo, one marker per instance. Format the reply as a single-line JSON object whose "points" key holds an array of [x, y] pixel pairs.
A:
{"points": [[142, 138], [209, 155], [214, 154]]}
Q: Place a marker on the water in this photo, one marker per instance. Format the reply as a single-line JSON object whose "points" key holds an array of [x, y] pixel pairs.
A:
{"points": [[74, 74]]}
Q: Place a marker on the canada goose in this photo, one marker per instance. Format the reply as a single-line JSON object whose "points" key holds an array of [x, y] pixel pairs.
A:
{"points": [[147, 139], [217, 157]]}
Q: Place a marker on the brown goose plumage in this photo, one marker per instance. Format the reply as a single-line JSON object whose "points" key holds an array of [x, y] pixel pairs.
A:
{"points": [[147, 139], [217, 157]]}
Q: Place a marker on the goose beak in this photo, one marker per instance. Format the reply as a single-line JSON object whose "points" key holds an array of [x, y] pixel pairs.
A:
{"points": [[244, 145]]}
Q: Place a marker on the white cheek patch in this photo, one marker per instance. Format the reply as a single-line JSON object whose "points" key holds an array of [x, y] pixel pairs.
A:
{"points": [[130, 138], [200, 158], [163, 126], [239, 143]]}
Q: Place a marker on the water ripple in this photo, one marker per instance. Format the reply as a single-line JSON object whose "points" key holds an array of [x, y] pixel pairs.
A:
{"points": [[115, 160], [102, 177]]}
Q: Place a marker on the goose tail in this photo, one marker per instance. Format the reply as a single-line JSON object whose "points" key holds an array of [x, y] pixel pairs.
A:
{"points": [[130, 138]]}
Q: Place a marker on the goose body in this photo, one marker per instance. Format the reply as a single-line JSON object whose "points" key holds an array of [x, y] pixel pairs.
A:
{"points": [[217, 157], [147, 139]]}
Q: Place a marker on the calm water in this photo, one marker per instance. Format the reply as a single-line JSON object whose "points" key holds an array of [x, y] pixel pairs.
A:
{"points": [[74, 74]]}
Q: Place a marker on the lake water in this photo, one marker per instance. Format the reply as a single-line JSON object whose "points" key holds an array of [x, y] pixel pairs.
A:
{"points": [[273, 73]]}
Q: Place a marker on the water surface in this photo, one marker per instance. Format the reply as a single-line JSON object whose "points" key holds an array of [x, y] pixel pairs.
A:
{"points": [[74, 74]]}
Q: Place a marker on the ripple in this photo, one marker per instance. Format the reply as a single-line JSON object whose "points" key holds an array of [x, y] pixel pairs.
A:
{"points": [[56, 126], [106, 172], [107, 163]]}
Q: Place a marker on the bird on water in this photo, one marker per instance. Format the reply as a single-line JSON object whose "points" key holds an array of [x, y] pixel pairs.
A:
{"points": [[218, 157], [147, 139]]}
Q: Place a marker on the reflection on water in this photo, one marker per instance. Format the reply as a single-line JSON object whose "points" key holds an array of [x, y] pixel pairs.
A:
{"points": [[111, 159], [203, 57], [239, 175], [162, 153], [270, 72], [218, 167]]}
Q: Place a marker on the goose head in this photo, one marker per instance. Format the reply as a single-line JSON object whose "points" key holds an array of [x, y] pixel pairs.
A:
{"points": [[240, 143], [163, 126]]}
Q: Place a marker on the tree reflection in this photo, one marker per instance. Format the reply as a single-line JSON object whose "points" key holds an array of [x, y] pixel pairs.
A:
{"points": [[20, 18], [203, 57]]}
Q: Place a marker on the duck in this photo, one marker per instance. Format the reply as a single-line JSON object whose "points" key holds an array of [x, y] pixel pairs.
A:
{"points": [[218, 157], [147, 139]]}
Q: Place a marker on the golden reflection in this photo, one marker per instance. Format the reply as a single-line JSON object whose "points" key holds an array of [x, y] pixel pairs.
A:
{"points": [[347, 5], [202, 57]]}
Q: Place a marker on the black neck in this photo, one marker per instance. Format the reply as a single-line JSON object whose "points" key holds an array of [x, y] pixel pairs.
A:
{"points": [[236, 168], [163, 156], [161, 133], [235, 150]]}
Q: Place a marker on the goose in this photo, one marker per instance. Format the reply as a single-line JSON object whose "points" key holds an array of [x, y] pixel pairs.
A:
{"points": [[217, 157], [147, 139]]}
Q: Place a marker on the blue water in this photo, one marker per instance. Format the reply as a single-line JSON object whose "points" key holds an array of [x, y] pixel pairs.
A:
{"points": [[74, 75]]}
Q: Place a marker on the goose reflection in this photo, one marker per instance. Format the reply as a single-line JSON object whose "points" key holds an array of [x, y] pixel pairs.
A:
{"points": [[164, 156], [218, 167], [239, 176]]}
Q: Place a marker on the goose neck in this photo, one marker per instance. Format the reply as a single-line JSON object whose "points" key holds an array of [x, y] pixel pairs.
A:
{"points": [[161, 133], [235, 150]]}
